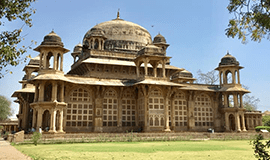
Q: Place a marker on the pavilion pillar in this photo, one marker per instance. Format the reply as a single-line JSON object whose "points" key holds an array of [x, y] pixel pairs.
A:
{"points": [[227, 125], [61, 121], [241, 100], [39, 119], [54, 91], [61, 63], [163, 69], [62, 92], [54, 61], [237, 124], [172, 115], [52, 126], [41, 92], [34, 118], [243, 122], [167, 127]]}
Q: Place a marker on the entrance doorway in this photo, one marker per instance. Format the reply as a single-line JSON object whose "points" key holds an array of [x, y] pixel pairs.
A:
{"points": [[232, 122]]}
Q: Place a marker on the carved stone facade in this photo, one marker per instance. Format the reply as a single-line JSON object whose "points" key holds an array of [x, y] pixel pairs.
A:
{"points": [[122, 81]]}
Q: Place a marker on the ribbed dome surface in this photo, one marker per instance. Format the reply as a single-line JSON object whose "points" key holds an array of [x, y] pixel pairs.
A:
{"points": [[159, 39], [228, 60], [78, 48], [121, 34], [52, 39]]}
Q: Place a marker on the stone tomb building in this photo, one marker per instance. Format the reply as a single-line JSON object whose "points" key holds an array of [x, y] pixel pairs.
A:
{"points": [[120, 81]]}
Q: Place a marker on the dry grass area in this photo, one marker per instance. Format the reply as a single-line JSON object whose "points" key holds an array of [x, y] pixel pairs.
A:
{"points": [[188, 150]]}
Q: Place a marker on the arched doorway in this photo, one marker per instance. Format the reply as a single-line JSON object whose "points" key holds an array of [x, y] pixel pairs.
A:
{"points": [[46, 119], [232, 122], [57, 121]]}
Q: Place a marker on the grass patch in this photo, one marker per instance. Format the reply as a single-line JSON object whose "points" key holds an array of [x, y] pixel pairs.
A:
{"points": [[142, 150]]}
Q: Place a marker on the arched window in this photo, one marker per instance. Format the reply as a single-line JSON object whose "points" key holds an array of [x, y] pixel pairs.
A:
{"points": [[49, 60], [180, 109], [128, 108], [48, 92], [229, 77], [110, 109], [203, 112], [231, 101], [79, 111], [46, 119], [96, 44]]}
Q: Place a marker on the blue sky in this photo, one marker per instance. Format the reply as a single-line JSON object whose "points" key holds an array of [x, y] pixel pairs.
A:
{"points": [[194, 29]]}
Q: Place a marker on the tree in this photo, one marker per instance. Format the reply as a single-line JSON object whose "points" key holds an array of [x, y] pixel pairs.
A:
{"points": [[261, 148], [5, 108], [251, 18], [266, 120], [207, 78], [250, 102], [10, 10]]}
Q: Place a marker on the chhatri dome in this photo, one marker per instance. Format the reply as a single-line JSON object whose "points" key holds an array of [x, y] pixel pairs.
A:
{"points": [[52, 39], [119, 34], [228, 60]]}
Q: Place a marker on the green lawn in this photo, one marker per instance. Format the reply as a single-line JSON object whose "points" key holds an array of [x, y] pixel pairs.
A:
{"points": [[231, 150]]}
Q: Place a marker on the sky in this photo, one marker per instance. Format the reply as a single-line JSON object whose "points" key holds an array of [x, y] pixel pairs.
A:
{"points": [[194, 29]]}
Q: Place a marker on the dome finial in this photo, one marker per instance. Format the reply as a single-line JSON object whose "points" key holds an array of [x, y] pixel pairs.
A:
{"points": [[228, 52], [118, 14]]}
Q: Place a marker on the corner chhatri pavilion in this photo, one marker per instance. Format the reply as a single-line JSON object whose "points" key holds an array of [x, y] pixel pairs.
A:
{"points": [[122, 80]]}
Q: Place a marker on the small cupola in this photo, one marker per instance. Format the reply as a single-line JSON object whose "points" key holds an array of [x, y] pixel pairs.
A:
{"points": [[160, 41], [76, 52], [51, 53], [229, 70]]}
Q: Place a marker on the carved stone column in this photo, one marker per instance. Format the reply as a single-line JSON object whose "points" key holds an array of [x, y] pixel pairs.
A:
{"points": [[54, 91], [61, 121], [62, 92], [163, 69], [237, 124], [167, 127], [172, 114], [41, 92], [61, 63], [227, 125], [55, 61], [191, 118], [34, 118], [243, 122], [52, 126], [98, 124], [39, 118]]}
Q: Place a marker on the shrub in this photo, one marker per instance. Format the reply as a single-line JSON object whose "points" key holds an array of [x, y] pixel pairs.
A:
{"points": [[260, 149], [258, 128], [36, 137]]}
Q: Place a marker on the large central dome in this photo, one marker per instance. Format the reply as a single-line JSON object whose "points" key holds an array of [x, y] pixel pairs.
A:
{"points": [[120, 35]]}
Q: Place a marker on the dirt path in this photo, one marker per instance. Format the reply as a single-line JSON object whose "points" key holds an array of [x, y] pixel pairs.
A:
{"points": [[9, 152]]}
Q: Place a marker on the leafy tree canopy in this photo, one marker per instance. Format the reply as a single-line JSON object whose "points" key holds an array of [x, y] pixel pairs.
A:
{"points": [[251, 18], [266, 120], [5, 108], [10, 10]]}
